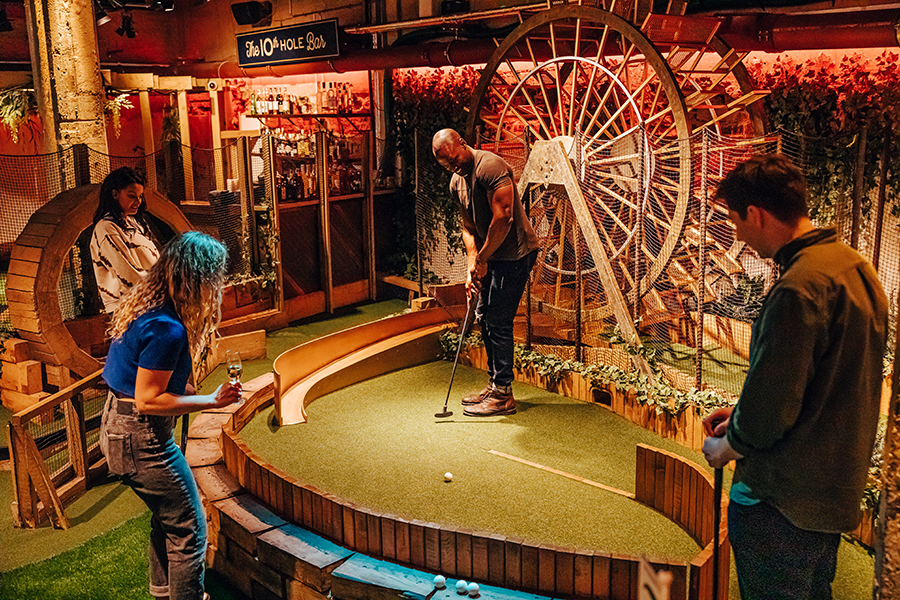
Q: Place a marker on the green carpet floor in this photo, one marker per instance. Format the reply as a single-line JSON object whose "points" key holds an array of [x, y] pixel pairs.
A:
{"points": [[109, 532]]}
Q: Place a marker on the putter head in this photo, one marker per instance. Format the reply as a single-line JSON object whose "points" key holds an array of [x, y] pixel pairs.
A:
{"points": [[443, 415]]}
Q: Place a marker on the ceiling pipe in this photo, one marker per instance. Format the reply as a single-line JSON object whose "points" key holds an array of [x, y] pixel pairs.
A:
{"points": [[772, 32], [765, 32], [453, 53]]}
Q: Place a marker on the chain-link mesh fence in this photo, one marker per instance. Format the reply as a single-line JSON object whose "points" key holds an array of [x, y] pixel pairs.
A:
{"points": [[651, 247]]}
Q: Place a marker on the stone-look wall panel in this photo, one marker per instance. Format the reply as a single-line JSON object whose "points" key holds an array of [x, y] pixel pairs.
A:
{"points": [[68, 84]]}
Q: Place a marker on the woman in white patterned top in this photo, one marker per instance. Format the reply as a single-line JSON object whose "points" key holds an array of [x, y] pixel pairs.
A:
{"points": [[121, 249]]}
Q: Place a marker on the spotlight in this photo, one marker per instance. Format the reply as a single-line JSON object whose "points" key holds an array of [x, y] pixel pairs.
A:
{"points": [[254, 12], [102, 17], [126, 29], [5, 25]]}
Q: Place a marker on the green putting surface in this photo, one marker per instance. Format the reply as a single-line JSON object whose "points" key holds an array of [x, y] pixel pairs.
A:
{"points": [[379, 445]]}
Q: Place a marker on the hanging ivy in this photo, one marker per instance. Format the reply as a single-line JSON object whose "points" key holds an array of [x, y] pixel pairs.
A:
{"points": [[17, 107], [829, 104], [113, 108], [426, 102]]}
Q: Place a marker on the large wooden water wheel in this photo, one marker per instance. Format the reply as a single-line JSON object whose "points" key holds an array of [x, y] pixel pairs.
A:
{"points": [[624, 106]]}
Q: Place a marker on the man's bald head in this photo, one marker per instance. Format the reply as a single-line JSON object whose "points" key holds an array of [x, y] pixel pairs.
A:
{"points": [[446, 138], [452, 152]]}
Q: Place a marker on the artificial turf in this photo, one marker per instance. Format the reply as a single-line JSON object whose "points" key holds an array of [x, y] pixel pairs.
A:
{"points": [[379, 445], [31, 561]]}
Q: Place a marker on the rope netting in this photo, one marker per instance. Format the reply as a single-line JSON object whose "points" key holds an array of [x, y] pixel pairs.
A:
{"points": [[640, 243]]}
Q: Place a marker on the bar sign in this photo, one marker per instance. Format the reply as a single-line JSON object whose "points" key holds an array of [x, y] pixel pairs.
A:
{"points": [[292, 44]]}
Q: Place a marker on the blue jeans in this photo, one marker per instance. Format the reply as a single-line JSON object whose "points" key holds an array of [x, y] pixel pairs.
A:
{"points": [[776, 560], [501, 292], [140, 449]]}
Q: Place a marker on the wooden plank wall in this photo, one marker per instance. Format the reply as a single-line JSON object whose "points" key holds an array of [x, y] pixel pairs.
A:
{"points": [[683, 491]]}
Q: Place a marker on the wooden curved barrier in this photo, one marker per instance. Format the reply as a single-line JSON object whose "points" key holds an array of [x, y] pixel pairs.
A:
{"points": [[270, 532], [332, 362], [36, 264]]}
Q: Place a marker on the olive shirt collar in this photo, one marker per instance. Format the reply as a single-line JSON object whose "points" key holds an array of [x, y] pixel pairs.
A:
{"points": [[787, 253]]}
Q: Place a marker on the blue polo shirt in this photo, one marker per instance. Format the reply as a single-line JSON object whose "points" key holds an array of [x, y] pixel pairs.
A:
{"points": [[157, 341]]}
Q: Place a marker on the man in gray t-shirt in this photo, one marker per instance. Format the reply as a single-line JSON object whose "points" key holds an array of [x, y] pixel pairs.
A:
{"points": [[501, 247]]}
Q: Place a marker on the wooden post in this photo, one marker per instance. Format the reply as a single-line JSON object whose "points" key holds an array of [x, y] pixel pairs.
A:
{"points": [[216, 126], [526, 202], [369, 211], [882, 192], [579, 291], [858, 184], [21, 510], [322, 173], [701, 250], [77, 436], [420, 278], [187, 162], [149, 142]]}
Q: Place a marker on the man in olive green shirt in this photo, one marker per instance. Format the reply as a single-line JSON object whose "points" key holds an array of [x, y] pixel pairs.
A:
{"points": [[803, 429]]}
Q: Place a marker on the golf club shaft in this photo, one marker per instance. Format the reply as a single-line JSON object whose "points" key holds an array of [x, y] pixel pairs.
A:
{"points": [[462, 335]]}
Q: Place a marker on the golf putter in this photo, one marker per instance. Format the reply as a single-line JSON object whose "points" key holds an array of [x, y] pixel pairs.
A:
{"points": [[462, 334], [717, 520]]}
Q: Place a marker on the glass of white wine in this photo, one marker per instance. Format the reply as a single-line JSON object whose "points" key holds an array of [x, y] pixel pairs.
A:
{"points": [[233, 367]]}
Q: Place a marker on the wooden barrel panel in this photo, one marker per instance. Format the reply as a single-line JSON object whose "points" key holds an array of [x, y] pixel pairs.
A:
{"points": [[36, 264]]}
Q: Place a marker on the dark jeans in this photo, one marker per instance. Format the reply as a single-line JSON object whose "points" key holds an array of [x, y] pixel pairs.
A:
{"points": [[501, 292], [776, 560], [140, 449]]}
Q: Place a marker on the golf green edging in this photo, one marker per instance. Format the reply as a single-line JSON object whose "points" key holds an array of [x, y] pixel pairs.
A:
{"points": [[489, 558]]}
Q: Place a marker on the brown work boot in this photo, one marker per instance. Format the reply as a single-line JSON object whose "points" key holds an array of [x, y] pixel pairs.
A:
{"points": [[498, 401], [477, 397]]}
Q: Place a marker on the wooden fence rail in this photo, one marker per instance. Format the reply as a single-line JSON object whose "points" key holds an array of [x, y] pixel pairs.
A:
{"points": [[39, 490]]}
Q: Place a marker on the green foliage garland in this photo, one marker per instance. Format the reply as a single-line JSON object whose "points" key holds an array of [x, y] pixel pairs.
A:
{"points": [[658, 394]]}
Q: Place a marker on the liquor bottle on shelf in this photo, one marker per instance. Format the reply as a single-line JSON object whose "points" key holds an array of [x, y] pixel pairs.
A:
{"points": [[332, 98], [253, 109], [279, 101]]}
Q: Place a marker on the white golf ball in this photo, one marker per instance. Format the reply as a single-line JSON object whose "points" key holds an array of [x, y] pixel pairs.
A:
{"points": [[448, 476], [439, 582], [472, 588], [461, 587]]}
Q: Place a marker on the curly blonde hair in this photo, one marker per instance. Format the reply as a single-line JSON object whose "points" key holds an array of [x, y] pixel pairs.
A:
{"points": [[189, 274]]}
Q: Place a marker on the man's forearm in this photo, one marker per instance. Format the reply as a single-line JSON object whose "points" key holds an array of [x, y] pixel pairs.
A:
{"points": [[496, 233]]}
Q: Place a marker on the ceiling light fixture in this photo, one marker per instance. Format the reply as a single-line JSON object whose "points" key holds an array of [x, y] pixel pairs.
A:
{"points": [[126, 29], [102, 17], [5, 25]]}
